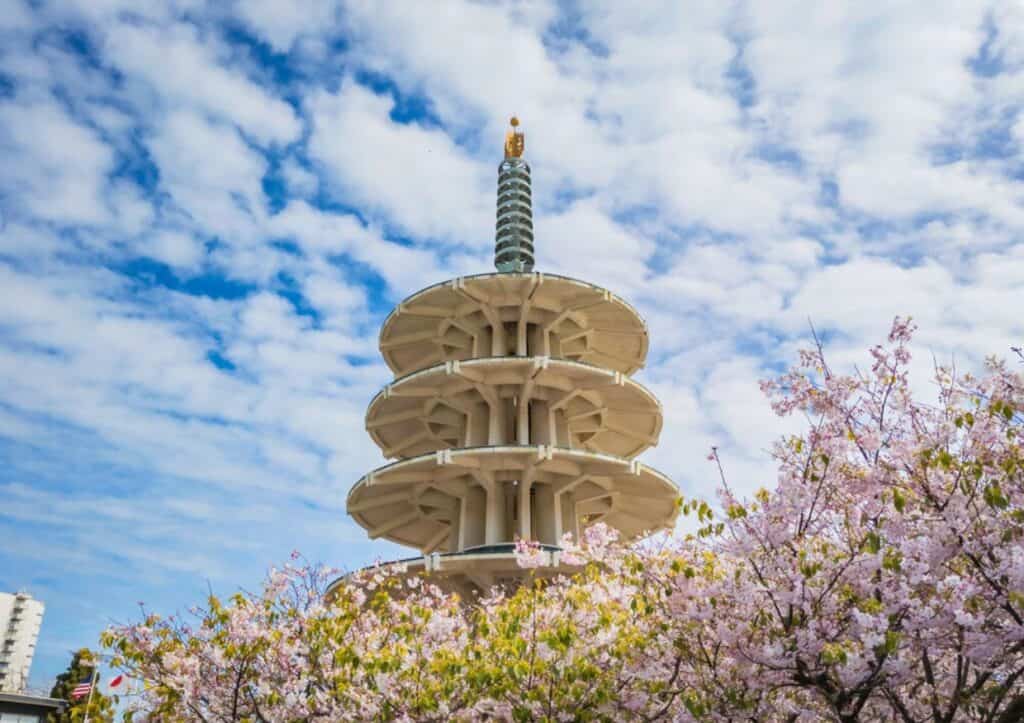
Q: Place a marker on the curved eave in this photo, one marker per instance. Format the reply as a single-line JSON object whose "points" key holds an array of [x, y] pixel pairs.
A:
{"points": [[629, 496], [613, 326], [624, 417]]}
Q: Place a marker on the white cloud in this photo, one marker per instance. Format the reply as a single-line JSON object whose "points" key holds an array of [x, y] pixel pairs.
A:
{"points": [[55, 167], [300, 182], [15, 17], [403, 268], [417, 176], [282, 24], [458, 52], [174, 248], [211, 173], [182, 71], [334, 298], [583, 241]]}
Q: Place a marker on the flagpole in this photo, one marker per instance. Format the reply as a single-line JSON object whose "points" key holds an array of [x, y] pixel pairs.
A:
{"points": [[88, 701]]}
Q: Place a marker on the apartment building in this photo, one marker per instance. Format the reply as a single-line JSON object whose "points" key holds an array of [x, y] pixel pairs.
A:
{"points": [[20, 619]]}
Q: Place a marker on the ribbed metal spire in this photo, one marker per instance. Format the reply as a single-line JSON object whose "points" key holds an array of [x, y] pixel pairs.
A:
{"points": [[513, 248]]}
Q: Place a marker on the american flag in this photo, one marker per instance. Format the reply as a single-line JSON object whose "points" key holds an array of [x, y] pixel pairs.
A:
{"points": [[82, 688]]}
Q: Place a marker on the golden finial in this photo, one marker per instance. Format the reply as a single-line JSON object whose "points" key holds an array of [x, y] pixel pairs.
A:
{"points": [[514, 140]]}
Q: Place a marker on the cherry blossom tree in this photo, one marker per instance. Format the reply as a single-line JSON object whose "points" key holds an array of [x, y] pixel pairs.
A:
{"points": [[881, 579]]}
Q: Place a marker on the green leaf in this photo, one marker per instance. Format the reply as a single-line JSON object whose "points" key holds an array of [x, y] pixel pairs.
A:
{"points": [[899, 501], [736, 512], [995, 498], [892, 560], [832, 653], [873, 542], [892, 642]]}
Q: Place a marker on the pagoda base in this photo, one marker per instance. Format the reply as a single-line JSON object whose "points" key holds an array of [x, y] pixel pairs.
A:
{"points": [[473, 573]]}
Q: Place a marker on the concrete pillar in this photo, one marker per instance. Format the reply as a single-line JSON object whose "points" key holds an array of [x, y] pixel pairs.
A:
{"points": [[523, 421], [536, 343], [455, 530], [495, 521], [497, 416], [544, 528], [473, 513], [487, 341], [567, 510], [479, 424], [511, 511], [498, 344], [540, 423], [508, 431], [525, 519]]}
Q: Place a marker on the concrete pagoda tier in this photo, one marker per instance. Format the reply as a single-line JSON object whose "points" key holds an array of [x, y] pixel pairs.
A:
{"points": [[531, 400], [512, 415], [521, 314], [454, 500]]}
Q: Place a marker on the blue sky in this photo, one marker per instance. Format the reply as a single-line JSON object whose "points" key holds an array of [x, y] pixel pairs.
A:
{"points": [[207, 209]]}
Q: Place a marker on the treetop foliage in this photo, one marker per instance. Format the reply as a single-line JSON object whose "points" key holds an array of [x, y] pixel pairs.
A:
{"points": [[881, 579]]}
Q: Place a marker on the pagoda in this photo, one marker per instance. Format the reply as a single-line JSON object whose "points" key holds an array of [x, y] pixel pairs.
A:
{"points": [[512, 414]]}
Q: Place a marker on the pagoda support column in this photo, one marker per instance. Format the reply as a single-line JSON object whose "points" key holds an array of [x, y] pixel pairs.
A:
{"points": [[525, 498], [545, 522], [494, 512], [472, 528]]}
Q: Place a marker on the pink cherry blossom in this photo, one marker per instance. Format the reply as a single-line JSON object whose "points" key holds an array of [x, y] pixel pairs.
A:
{"points": [[882, 578]]}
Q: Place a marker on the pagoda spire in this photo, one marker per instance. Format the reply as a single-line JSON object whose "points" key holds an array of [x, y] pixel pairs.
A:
{"points": [[513, 247]]}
